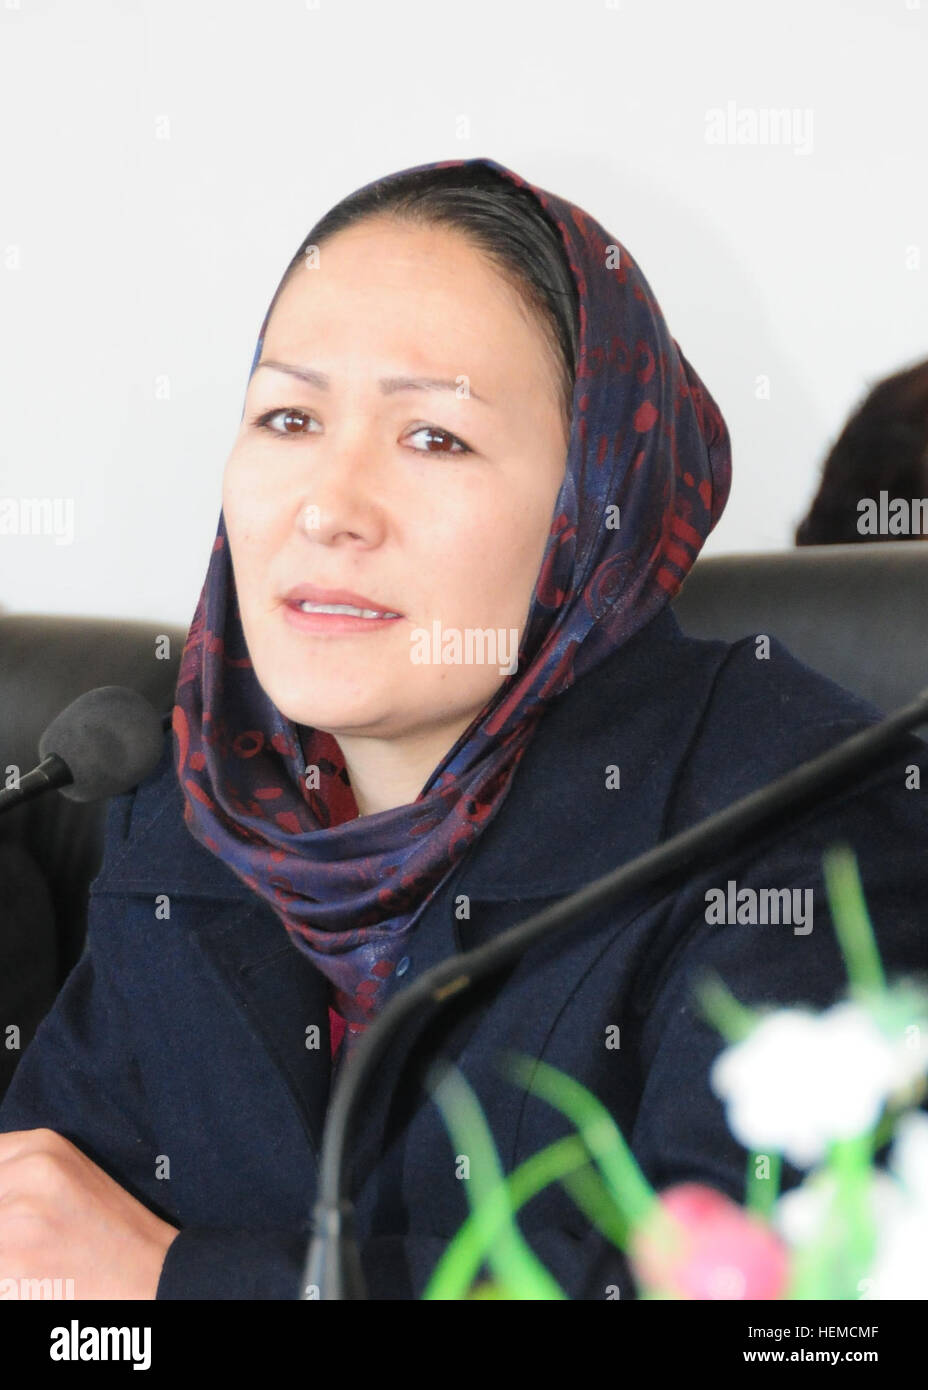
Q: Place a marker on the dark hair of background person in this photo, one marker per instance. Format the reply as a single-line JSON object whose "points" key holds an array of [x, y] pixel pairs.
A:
{"points": [[883, 447], [505, 222]]}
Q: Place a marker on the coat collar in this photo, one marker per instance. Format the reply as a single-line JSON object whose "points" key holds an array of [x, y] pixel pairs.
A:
{"points": [[559, 827], [631, 719]]}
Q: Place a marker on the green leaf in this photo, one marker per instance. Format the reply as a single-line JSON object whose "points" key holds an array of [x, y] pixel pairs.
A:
{"points": [[852, 920], [510, 1257], [594, 1199], [719, 1006], [632, 1194], [566, 1159]]}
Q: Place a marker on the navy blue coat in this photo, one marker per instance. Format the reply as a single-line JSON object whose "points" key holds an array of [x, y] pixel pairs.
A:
{"points": [[186, 1037]]}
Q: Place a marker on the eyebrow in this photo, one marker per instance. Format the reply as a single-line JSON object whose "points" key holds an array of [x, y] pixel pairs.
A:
{"points": [[388, 384]]}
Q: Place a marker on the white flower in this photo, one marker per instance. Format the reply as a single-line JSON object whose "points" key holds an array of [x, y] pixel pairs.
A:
{"points": [[901, 1012], [799, 1215], [900, 1269], [909, 1155], [899, 1205], [801, 1079]]}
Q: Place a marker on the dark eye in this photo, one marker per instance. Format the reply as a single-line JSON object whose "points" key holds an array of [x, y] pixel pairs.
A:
{"points": [[444, 435], [294, 424], [289, 414]]}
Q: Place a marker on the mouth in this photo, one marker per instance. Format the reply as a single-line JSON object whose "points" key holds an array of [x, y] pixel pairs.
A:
{"points": [[312, 609]]}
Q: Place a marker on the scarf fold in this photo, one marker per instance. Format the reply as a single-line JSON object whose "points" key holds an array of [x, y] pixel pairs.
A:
{"points": [[646, 437]]}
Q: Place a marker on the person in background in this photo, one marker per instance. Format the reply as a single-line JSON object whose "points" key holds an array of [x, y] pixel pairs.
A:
{"points": [[882, 448]]}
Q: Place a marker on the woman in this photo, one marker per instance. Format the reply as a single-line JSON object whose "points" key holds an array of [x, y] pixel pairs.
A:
{"points": [[883, 447], [467, 421]]}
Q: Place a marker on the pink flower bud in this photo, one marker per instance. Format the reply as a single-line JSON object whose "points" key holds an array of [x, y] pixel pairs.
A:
{"points": [[699, 1244]]}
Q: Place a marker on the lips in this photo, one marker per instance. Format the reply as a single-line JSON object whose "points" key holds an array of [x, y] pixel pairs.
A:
{"points": [[311, 593]]}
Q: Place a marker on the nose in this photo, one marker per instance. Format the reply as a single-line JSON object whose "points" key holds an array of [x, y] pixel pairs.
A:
{"points": [[343, 498]]}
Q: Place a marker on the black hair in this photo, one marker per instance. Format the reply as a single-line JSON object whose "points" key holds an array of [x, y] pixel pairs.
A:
{"points": [[884, 445], [507, 223]]}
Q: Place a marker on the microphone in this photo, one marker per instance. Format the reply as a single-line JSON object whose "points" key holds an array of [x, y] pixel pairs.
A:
{"points": [[333, 1263], [102, 744]]}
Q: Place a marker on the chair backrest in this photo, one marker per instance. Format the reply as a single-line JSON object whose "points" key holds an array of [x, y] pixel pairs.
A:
{"points": [[46, 661], [858, 613]]}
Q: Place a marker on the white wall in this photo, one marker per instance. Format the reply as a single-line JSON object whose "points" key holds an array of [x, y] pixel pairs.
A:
{"points": [[162, 160]]}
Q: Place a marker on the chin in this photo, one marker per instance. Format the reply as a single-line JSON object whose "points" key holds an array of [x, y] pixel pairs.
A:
{"points": [[331, 709]]}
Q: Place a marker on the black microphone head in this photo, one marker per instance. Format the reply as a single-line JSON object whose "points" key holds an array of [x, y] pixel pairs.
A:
{"points": [[111, 738]]}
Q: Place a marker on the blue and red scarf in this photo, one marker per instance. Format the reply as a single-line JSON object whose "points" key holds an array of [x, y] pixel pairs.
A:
{"points": [[647, 437]]}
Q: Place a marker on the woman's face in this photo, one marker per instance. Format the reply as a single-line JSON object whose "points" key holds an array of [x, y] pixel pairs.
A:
{"points": [[358, 480]]}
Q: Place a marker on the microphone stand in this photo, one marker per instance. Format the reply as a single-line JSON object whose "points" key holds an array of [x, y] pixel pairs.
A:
{"points": [[333, 1264], [50, 773]]}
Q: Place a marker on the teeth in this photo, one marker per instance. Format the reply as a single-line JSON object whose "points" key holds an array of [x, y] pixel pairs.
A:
{"points": [[345, 608]]}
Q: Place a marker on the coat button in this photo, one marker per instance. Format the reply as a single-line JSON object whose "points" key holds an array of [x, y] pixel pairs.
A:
{"points": [[402, 965]]}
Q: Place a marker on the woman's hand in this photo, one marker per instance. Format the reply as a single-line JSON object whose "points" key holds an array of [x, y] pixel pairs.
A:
{"points": [[62, 1217]]}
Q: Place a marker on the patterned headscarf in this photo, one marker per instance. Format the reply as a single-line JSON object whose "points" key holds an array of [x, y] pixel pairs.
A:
{"points": [[647, 439]]}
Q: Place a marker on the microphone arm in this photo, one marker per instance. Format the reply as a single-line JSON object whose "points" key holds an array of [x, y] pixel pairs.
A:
{"points": [[333, 1264], [51, 772]]}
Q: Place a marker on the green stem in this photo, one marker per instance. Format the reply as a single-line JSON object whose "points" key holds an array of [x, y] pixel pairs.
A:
{"points": [[833, 1263], [510, 1257], [849, 1161], [631, 1192], [463, 1256], [852, 920], [719, 1006], [761, 1193]]}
